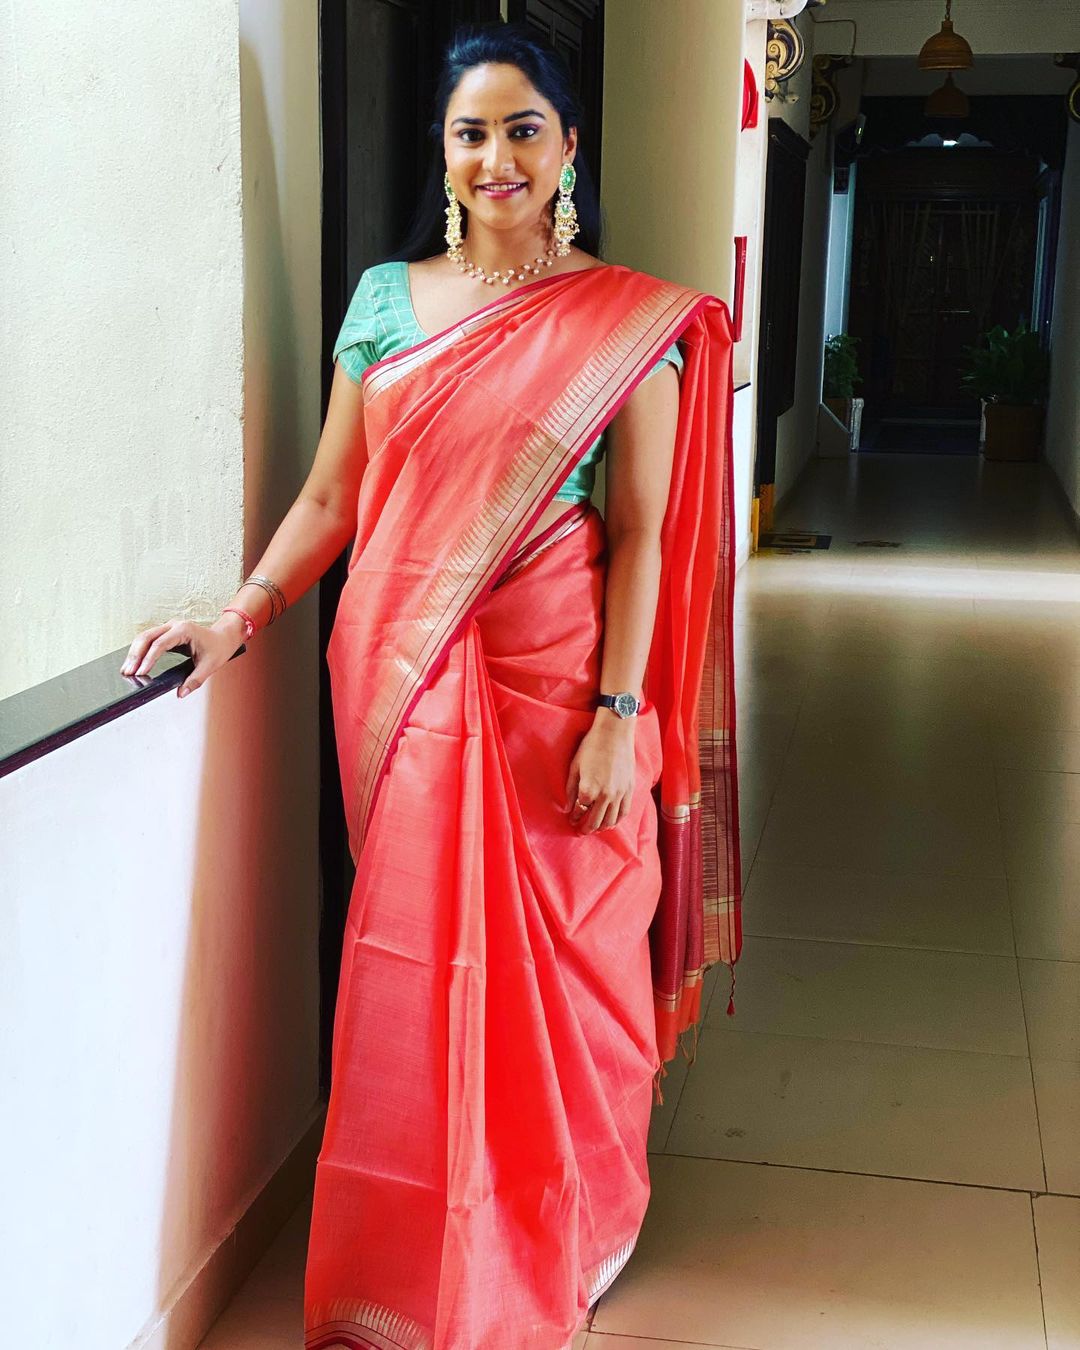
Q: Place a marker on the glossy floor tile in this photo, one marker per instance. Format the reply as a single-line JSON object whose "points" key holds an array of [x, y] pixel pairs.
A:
{"points": [[896, 909], [1057, 1230], [893, 1110], [1057, 1098], [1052, 1006], [889, 995], [780, 1258]]}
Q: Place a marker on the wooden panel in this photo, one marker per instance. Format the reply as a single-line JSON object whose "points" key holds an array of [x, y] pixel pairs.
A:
{"points": [[785, 190], [575, 28], [948, 175]]}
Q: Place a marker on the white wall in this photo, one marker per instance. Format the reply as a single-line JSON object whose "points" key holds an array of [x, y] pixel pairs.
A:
{"points": [[1063, 411], [120, 342], [654, 146], [159, 896]]}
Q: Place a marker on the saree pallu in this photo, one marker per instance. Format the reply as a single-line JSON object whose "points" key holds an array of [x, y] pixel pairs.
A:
{"points": [[509, 986]]}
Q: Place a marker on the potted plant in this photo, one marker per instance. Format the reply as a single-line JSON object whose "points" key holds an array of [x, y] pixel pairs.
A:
{"points": [[840, 375], [1010, 372]]}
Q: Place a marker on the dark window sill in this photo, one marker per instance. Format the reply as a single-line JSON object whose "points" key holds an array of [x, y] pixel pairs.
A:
{"points": [[62, 709]]}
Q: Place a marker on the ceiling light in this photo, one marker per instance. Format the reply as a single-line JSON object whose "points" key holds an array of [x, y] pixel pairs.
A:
{"points": [[946, 50]]}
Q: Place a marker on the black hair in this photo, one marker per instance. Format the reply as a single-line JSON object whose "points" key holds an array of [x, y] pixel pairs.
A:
{"points": [[511, 45]]}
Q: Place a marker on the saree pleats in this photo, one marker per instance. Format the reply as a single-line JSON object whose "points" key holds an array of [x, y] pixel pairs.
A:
{"points": [[483, 1173]]}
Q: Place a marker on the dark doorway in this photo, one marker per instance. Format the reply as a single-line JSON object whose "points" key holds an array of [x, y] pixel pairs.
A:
{"points": [[944, 249], [781, 268], [379, 62]]}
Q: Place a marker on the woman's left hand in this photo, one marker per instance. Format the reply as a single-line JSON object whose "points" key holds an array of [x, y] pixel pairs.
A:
{"points": [[602, 773]]}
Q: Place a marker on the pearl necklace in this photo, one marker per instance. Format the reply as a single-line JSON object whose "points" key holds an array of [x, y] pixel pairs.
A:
{"points": [[511, 274]]}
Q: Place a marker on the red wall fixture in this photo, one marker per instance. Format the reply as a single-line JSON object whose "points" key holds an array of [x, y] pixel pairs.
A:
{"points": [[749, 97], [740, 286]]}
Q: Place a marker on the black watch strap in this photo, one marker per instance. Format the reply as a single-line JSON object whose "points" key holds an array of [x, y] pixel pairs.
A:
{"points": [[625, 705]]}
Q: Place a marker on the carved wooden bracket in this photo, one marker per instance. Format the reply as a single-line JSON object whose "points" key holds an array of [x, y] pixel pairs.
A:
{"points": [[784, 53], [823, 95], [1072, 99]]}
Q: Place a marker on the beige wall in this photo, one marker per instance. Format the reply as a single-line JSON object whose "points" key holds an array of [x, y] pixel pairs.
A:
{"points": [[672, 100], [669, 160], [120, 348], [159, 882], [1063, 412], [900, 27]]}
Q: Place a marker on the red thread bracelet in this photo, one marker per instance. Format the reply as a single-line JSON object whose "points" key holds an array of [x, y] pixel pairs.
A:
{"points": [[249, 622]]}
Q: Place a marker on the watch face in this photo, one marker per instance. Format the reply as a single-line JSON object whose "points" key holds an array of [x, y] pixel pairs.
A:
{"points": [[625, 705]]}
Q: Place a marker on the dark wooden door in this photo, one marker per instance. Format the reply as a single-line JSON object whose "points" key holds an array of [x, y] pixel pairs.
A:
{"points": [[575, 28], [785, 191], [944, 248], [379, 63]]}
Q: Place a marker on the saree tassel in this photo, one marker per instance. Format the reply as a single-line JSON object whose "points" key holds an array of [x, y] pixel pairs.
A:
{"points": [[731, 994], [658, 1096]]}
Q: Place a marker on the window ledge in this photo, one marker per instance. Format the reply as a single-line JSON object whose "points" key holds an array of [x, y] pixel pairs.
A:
{"points": [[41, 719]]}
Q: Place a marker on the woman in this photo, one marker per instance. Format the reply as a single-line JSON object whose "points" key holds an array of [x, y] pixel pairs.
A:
{"points": [[546, 864]]}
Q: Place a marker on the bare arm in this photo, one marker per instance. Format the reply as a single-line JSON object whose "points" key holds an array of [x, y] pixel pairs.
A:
{"points": [[640, 452], [314, 531]]}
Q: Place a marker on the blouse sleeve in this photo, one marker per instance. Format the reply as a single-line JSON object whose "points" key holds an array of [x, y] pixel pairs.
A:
{"points": [[672, 355], [355, 347]]}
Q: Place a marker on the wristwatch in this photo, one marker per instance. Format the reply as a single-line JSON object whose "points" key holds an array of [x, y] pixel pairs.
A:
{"points": [[623, 705]]}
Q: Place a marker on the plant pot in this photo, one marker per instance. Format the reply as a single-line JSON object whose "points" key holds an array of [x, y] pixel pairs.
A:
{"points": [[840, 409], [855, 425], [1013, 431]]}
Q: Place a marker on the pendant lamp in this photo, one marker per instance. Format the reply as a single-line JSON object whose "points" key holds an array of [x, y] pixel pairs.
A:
{"points": [[946, 50]]}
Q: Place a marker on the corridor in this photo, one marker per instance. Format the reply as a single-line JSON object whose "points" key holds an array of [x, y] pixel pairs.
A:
{"points": [[882, 1147]]}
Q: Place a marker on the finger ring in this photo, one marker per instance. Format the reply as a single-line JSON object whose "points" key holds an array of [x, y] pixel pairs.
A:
{"points": [[584, 805]]}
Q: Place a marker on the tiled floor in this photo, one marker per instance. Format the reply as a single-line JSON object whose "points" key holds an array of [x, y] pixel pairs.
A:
{"points": [[882, 1148]]}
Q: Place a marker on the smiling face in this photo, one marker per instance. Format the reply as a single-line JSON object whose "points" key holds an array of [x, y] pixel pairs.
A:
{"points": [[504, 149]]}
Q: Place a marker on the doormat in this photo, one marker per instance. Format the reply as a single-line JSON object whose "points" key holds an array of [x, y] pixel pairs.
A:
{"points": [[876, 543], [795, 541]]}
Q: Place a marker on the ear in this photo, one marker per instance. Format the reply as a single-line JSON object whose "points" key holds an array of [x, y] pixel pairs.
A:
{"points": [[570, 144]]}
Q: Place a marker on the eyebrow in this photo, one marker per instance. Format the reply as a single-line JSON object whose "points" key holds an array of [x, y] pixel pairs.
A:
{"points": [[513, 117]]}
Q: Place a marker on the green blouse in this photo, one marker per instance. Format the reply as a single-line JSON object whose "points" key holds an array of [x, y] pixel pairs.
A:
{"points": [[381, 322]]}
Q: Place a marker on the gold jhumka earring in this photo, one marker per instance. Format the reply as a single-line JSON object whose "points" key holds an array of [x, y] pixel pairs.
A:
{"points": [[456, 253], [566, 221], [453, 221]]}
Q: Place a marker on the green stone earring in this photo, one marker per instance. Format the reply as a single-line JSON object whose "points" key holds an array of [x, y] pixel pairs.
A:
{"points": [[566, 221]]}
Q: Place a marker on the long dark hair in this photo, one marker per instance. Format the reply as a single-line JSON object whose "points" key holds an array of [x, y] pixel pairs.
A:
{"points": [[511, 45]]}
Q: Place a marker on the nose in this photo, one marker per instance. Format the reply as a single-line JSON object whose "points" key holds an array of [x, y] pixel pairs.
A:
{"points": [[498, 156]]}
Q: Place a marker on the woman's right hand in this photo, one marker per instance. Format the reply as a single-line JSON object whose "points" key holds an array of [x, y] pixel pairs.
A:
{"points": [[210, 645]]}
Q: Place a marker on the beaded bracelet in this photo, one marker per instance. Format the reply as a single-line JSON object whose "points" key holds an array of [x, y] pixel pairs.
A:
{"points": [[249, 622]]}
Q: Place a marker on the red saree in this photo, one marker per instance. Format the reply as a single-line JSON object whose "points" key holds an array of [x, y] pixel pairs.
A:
{"points": [[509, 987]]}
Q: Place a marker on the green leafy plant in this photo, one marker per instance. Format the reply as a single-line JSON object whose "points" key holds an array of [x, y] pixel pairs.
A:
{"points": [[1009, 367], [841, 373]]}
